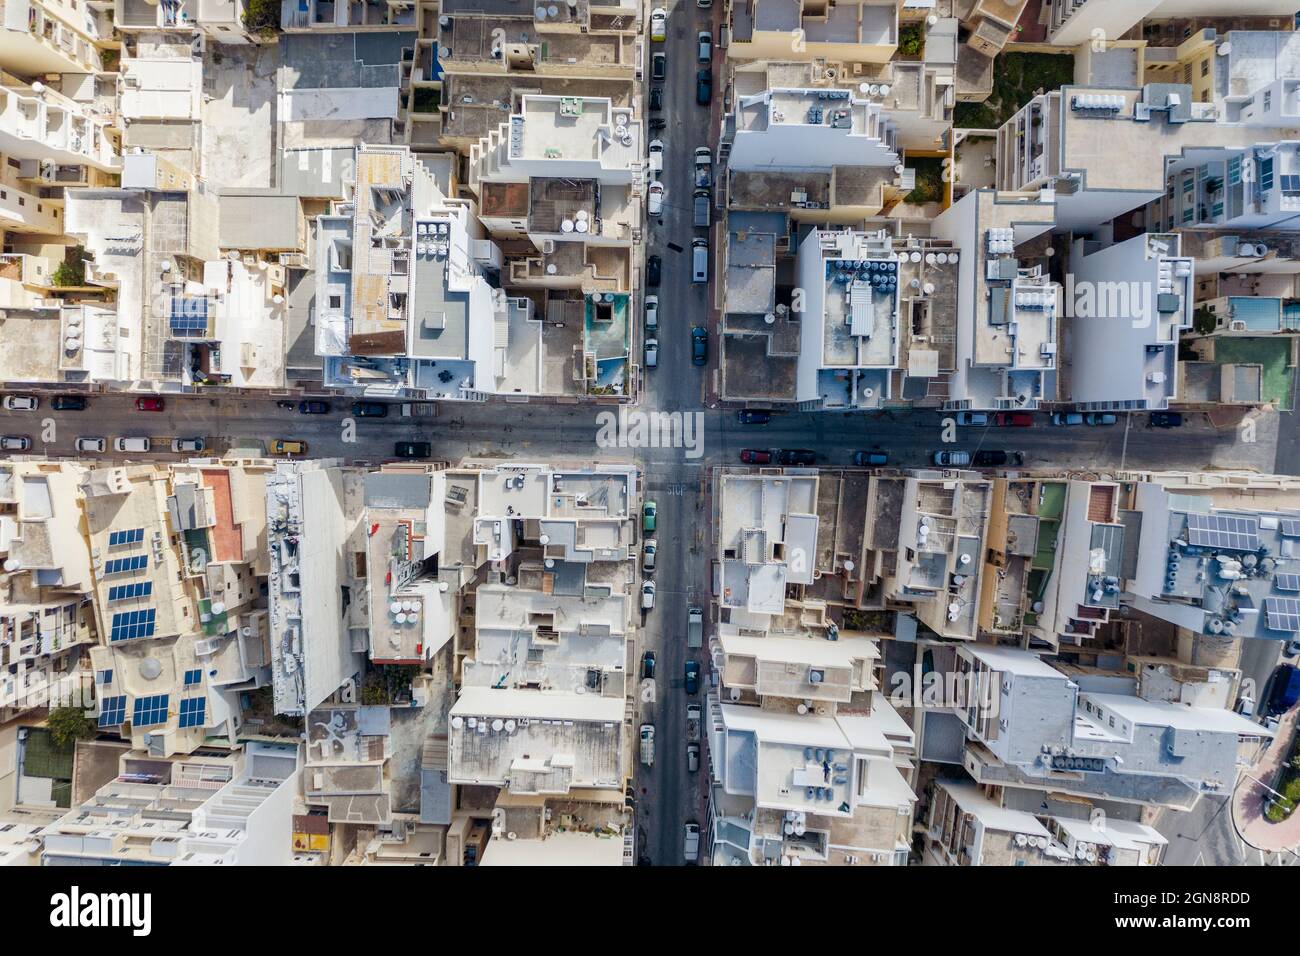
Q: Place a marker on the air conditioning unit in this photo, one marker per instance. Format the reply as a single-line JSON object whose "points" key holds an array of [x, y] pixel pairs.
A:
{"points": [[816, 676], [1237, 326]]}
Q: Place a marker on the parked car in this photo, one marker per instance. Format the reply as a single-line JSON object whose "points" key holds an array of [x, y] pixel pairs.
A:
{"points": [[658, 24], [648, 744], [702, 209], [288, 446], [412, 449], [149, 404], [691, 842], [648, 665], [659, 66], [651, 353], [1165, 420], [649, 515], [755, 456], [1013, 419], [797, 457], [656, 154], [703, 167], [705, 40], [656, 99], [314, 408], [369, 410], [704, 87], [692, 757], [993, 457], [654, 202], [950, 459], [69, 403], [21, 403], [753, 416], [187, 444], [648, 596], [699, 346], [870, 458], [692, 677], [972, 418], [651, 312], [653, 268], [91, 446], [15, 443], [649, 551], [1100, 418], [1067, 418], [699, 260], [134, 444]]}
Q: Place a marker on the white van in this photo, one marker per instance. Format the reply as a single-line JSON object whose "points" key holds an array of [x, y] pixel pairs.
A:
{"points": [[699, 260], [131, 444]]}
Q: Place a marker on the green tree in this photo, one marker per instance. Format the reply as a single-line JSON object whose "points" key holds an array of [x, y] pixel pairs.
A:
{"points": [[67, 725]]}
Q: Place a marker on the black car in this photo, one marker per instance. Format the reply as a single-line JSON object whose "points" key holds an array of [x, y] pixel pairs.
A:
{"points": [[69, 403], [412, 449], [699, 346], [1165, 420], [658, 66], [866, 459], [656, 98], [993, 457], [704, 87], [314, 408], [648, 665], [692, 677], [753, 416], [653, 268], [797, 456], [369, 409]]}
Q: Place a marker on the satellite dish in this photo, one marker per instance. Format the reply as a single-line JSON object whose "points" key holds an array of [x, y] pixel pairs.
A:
{"points": [[150, 668]]}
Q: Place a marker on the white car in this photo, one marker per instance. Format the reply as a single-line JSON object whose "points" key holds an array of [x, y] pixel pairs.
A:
{"points": [[94, 446], [648, 596], [15, 443], [187, 444], [656, 151], [648, 552], [658, 24], [651, 312], [972, 418], [655, 201], [21, 403], [651, 353]]}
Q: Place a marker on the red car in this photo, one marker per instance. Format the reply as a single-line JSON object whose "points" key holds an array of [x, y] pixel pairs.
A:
{"points": [[755, 456], [1013, 419], [148, 404]]}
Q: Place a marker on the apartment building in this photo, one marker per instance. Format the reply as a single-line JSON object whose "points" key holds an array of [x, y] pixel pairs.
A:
{"points": [[327, 16], [863, 31], [41, 37], [1078, 21], [1255, 187]]}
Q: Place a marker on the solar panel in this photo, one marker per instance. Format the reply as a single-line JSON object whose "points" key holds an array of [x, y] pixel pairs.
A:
{"points": [[1287, 582], [125, 592], [1234, 532], [150, 711], [112, 711], [193, 710], [104, 677], [193, 677], [119, 538], [1290, 527], [1283, 614], [137, 562], [132, 624], [189, 317]]}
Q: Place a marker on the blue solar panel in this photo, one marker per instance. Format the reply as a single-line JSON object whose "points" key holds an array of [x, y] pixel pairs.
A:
{"points": [[136, 562], [193, 677], [1287, 582], [150, 711], [118, 538], [189, 317], [112, 711], [104, 677], [133, 624], [193, 710], [125, 592]]}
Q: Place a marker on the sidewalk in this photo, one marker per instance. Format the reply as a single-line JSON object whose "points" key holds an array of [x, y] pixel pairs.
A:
{"points": [[1248, 799]]}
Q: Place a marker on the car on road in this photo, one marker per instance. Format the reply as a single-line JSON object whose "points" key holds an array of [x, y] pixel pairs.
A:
{"points": [[1165, 420], [648, 744], [150, 404], [652, 312], [653, 270], [651, 353], [1100, 418], [93, 446], [656, 153], [704, 87], [703, 167], [654, 201], [699, 346], [870, 458], [649, 516], [797, 457], [755, 456], [69, 403], [702, 212], [369, 409], [187, 444], [972, 418], [948, 459], [314, 408], [705, 40], [15, 443], [699, 260], [692, 757], [648, 596], [288, 446], [21, 403], [659, 66], [692, 677], [648, 665], [649, 551], [993, 457], [691, 844], [658, 24], [1013, 420], [133, 444], [753, 416], [1067, 418], [412, 449], [656, 99]]}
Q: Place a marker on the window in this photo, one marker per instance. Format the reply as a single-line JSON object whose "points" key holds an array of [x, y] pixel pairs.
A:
{"points": [[1187, 74], [1268, 100], [336, 301], [103, 677], [1234, 171], [1266, 174], [1205, 67]]}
